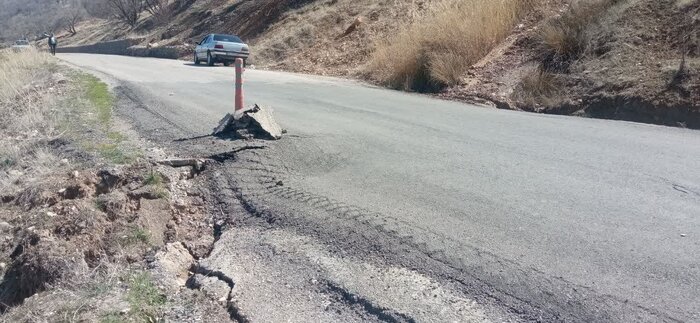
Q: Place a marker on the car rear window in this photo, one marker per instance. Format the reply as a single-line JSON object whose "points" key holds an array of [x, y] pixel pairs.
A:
{"points": [[228, 38]]}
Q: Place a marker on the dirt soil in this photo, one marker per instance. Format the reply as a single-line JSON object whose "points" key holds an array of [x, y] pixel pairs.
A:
{"points": [[644, 68]]}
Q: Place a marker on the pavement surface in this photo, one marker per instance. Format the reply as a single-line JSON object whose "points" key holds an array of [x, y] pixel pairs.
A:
{"points": [[387, 206]]}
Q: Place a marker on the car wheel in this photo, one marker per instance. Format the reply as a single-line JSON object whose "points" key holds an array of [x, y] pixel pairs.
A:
{"points": [[196, 59], [227, 63], [210, 60]]}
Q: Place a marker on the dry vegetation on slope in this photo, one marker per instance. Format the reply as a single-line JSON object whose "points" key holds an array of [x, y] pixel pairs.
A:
{"points": [[619, 59], [441, 46]]}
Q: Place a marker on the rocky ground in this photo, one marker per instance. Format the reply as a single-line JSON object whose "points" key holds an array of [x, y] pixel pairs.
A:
{"points": [[95, 223]]}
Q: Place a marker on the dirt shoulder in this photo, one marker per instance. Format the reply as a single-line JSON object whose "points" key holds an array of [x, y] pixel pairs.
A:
{"points": [[93, 227]]}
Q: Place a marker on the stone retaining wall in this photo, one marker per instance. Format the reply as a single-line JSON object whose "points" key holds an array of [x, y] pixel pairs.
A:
{"points": [[127, 47]]}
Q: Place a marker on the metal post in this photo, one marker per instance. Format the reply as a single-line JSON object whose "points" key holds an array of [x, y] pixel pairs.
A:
{"points": [[239, 84]]}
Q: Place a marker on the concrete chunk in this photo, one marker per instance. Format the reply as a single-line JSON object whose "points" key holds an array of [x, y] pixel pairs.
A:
{"points": [[255, 120], [266, 122]]}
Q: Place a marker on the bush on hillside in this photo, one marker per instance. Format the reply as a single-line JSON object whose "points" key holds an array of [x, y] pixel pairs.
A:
{"points": [[539, 88], [437, 50], [567, 38]]}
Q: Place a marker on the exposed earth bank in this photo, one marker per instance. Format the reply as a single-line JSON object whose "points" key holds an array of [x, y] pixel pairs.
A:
{"points": [[96, 225]]}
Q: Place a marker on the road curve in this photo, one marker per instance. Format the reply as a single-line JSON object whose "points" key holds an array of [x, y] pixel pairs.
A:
{"points": [[578, 219]]}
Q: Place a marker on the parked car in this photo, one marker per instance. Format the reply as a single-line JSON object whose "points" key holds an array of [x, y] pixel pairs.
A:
{"points": [[220, 48], [21, 45]]}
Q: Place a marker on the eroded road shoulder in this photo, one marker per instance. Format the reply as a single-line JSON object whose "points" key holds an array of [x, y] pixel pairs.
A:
{"points": [[263, 268], [279, 276]]}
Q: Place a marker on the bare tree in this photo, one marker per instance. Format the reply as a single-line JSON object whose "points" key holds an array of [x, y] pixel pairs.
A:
{"points": [[127, 11], [155, 7], [97, 8], [159, 9], [71, 19]]}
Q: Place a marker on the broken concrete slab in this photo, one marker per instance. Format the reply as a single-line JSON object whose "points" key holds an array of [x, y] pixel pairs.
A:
{"points": [[264, 119], [225, 123], [241, 113], [254, 121]]}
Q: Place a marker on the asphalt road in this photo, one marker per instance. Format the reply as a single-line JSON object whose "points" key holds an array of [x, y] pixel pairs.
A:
{"points": [[531, 216]]}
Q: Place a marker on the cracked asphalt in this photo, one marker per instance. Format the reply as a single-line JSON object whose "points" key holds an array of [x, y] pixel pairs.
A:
{"points": [[387, 206]]}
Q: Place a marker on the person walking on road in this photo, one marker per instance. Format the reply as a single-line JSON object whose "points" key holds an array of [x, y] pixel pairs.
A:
{"points": [[52, 44]]}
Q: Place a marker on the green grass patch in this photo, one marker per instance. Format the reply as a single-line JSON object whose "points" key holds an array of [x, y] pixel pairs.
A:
{"points": [[116, 136], [98, 288], [153, 178], [138, 235], [112, 317], [161, 192], [7, 162], [89, 120], [157, 181], [97, 93], [114, 154], [100, 204], [145, 300]]}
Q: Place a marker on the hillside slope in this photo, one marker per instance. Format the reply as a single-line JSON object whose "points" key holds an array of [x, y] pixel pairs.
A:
{"points": [[297, 35], [622, 59], [640, 63]]}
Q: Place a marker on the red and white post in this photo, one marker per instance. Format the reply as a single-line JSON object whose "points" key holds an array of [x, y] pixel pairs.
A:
{"points": [[239, 84]]}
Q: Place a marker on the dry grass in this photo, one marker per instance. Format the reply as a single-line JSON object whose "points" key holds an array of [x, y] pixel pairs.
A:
{"points": [[26, 119], [99, 295], [538, 88], [568, 37], [307, 38], [18, 70], [75, 300], [438, 49], [77, 269]]}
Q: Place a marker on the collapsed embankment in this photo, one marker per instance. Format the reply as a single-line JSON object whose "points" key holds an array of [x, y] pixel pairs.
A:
{"points": [[95, 224]]}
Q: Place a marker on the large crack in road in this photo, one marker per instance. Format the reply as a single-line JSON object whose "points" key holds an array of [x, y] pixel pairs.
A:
{"points": [[269, 282], [252, 180]]}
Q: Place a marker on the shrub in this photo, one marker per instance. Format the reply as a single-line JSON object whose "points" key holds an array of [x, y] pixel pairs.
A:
{"points": [[145, 299], [127, 11], [153, 178], [439, 48], [538, 88], [161, 10], [568, 37]]}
